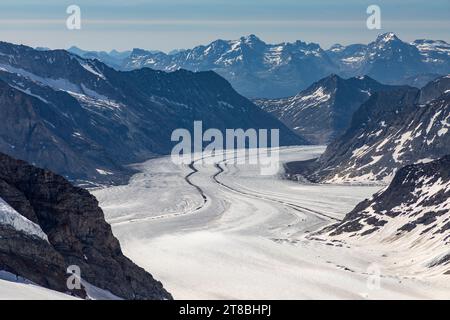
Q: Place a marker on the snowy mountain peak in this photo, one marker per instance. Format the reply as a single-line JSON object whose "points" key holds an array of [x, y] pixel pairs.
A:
{"points": [[323, 111], [251, 38], [253, 42], [262, 70], [387, 37], [241, 59]]}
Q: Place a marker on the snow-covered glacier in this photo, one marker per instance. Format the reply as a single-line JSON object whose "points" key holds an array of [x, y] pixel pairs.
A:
{"points": [[224, 231]]}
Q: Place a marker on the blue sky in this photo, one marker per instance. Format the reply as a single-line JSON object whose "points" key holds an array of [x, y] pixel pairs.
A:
{"points": [[170, 24]]}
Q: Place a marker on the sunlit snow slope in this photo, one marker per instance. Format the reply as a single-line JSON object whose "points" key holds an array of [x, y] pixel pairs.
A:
{"points": [[17, 288]]}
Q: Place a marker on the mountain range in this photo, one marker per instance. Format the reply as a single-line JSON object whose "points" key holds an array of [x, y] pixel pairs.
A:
{"points": [[112, 58], [87, 121], [392, 129], [323, 111], [88, 116], [260, 70]]}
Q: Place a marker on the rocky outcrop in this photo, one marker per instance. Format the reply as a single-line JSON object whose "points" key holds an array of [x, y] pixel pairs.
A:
{"points": [[77, 234], [33, 259]]}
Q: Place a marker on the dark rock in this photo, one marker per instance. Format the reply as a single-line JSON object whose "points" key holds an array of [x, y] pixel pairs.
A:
{"points": [[77, 235]]}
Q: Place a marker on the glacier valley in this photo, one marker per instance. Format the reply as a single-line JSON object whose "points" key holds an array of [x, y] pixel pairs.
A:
{"points": [[221, 230]]}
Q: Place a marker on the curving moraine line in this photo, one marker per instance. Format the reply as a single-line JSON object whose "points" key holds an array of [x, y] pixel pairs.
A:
{"points": [[293, 206]]}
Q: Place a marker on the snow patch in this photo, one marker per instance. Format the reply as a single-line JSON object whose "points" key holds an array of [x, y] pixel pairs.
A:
{"points": [[10, 217], [104, 172]]}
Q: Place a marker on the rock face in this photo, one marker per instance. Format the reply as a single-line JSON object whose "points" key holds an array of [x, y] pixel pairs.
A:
{"points": [[76, 234], [260, 70], [412, 214], [87, 121], [392, 129], [324, 111]]}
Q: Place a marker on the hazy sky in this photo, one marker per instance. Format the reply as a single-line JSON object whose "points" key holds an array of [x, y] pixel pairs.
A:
{"points": [[170, 24]]}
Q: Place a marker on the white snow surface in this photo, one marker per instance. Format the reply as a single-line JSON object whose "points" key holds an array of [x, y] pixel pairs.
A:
{"points": [[18, 288], [247, 239], [91, 68], [82, 93], [10, 217], [13, 287]]}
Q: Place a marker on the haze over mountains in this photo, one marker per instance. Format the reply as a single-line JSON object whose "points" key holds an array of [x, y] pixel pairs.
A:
{"points": [[113, 58], [260, 70]]}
